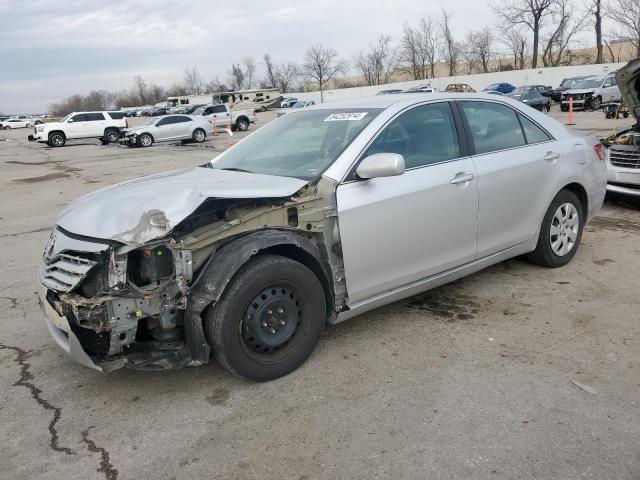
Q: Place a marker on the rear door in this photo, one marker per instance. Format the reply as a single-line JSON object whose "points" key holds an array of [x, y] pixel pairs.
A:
{"points": [[165, 129], [518, 166], [610, 89], [182, 126], [398, 230], [95, 124]]}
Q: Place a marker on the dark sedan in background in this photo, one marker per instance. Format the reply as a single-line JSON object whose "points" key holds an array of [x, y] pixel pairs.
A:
{"points": [[531, 97]]}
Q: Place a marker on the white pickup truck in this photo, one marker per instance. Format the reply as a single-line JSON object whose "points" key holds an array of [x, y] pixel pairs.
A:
{"points": [[222, 115], [104, 125]]}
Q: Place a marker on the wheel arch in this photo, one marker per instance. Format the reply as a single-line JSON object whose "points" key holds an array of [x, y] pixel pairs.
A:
{"points": [[222, 265], [56, 131], [581, 193], [242, 117]]}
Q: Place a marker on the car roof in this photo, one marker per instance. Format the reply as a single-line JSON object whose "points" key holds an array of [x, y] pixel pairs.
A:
{"points": [[386, 101]]}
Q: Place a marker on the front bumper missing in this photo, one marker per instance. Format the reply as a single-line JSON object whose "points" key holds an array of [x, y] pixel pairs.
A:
{"points": [[61, 332]]}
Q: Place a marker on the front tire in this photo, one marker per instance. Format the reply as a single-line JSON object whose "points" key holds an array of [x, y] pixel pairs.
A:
{"points": [[545, 109], [145, 140], [56, 139], [560, 232], [596, 103], [269, 319], [199, 135]]}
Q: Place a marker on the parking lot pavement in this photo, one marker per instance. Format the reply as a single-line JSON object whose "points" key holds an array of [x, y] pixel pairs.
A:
{"points": [[514, 372]]}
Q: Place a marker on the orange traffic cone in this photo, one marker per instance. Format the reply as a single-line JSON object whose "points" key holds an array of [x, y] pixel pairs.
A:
{"points": [[570, 111]]}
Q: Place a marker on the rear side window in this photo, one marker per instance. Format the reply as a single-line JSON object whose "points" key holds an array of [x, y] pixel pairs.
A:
{"points": [[116, 115], [181, 119], [533, 132], [424, 135], [166, 121], [493, 126], [94, 117]]}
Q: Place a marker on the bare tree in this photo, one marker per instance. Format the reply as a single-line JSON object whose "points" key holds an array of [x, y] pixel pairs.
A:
{"points": [[285, 74], [140, 90], [419, 49], [626, 14], [478, 48], [270, 79], [379, 63], [567, 23], [468, 53], [236, 77], [596, 11], [192, 81], [517, 44], [249, 67], [322, 65], [450, 48], [216, 85], [532, 13], [177, 89]]}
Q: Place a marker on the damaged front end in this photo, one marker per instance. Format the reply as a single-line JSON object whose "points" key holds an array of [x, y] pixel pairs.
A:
{"points": [[137, 299]]}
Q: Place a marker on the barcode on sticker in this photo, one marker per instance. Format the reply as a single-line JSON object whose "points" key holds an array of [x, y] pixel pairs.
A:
{"points": [[341, 117]]}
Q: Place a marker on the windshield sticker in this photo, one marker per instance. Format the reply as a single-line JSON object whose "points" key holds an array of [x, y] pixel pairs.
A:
{"points": [[343, 117]]}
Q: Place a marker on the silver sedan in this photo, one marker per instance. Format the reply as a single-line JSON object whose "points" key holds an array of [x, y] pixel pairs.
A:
{"points": [[323, 214], [168, 128]]}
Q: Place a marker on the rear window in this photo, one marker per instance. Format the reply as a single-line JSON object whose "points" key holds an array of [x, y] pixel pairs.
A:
{"points": [[116, 115]]}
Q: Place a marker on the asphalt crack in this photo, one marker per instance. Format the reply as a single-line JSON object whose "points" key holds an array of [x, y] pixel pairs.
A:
{"points": [[110, 473], [25, 381]]}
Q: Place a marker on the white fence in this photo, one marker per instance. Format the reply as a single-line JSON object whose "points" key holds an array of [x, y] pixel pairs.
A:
{"points": [[540, 76]]}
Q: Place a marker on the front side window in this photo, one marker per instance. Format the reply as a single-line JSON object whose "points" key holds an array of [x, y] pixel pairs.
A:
{"points": [[493, 126], [300, 144], [81, 117], [218, 109], [423, 135]]}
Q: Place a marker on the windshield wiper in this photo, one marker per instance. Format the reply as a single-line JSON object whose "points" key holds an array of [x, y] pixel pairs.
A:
{"points": [[234, 169]]}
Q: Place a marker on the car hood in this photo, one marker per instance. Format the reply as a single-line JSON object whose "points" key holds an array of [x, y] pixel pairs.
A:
{"points": [[628, 78], [578, 91], [147, 208]]}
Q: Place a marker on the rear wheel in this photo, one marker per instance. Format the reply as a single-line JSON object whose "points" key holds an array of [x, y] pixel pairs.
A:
{"points": [[560, 232], [269, 319], [145, 140], [56, 139], [111, 135], [242, 124], [199, 135]]}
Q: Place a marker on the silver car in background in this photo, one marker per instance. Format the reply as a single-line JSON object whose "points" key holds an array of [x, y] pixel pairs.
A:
{"points": [[322, 214], [166, 129]]}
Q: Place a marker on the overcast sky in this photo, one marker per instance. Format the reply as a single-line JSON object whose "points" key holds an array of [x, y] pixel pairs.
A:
{"points": [[50, 50]]}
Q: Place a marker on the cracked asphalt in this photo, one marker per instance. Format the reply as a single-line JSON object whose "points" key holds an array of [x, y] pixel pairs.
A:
{"points": [[515, 372]]}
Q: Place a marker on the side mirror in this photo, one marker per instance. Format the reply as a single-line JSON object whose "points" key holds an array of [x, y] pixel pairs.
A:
{"points": [[381, 165]]}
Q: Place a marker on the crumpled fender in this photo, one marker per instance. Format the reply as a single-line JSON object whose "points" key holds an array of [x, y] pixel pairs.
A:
{"points": [[211, 283]]}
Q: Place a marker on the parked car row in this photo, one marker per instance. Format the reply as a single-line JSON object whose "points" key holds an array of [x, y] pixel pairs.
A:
{"points": [[111, 127], [19, 121]]}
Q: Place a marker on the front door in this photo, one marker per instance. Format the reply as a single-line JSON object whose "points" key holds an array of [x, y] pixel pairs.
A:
{"points": [[398, 230]]}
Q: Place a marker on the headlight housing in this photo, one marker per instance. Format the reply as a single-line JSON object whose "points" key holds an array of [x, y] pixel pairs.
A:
{"points": [[40, 128], [150, 266]]}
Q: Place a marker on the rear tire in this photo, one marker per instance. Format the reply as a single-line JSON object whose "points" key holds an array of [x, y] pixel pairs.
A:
{"points": [[111, 135], [564, 108], [199, 135], [242, 124], [269, 319], [56, 139], [560, 232]]}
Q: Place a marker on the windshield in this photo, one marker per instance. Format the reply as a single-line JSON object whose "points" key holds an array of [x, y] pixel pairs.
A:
{"points": [[151, 121], [199, 110], [299, 105], [493, 86], [301, 145], [588, 83], [66, 118], [520, 91]]}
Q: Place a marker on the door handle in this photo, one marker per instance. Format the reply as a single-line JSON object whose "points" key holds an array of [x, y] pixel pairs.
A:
{"points": [[461, 178], [551, 156]]}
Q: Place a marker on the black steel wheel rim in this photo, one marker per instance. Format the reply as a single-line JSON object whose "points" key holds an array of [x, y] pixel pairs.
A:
{"points": [[271, 321]]}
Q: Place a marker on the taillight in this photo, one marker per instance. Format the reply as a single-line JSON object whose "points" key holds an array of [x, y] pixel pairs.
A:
{"points": [[600, 151]]}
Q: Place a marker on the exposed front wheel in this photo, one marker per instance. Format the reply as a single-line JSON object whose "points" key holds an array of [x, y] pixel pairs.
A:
{"points": [[199, 135], [56, 139], [560, 232], [111, 135], [545, 109], [269, 319], [145, 140], [596, 103]]}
